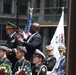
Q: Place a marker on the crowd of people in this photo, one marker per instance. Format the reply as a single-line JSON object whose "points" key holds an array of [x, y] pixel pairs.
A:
{"points": [[22, 56]]}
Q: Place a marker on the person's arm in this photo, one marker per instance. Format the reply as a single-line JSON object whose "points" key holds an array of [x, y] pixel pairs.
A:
{"points": [[11, 51], [35, 43]]}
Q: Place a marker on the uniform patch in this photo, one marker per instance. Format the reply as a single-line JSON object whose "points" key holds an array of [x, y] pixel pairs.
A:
{"points": [[43, 69]]}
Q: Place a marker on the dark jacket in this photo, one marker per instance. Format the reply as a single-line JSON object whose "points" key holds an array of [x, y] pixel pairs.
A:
{"points": [[6, 63], [11, 41], [34, 43], [21, 64], [39, 69], [5, 60], [50, 62]]}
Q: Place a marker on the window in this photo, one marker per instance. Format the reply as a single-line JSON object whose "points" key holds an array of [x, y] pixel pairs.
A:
{"points": [[36, 6], [52, 6], [0, 32], [53, 10], [3, 31], [23, 7], [7, 7], [4, 37]]}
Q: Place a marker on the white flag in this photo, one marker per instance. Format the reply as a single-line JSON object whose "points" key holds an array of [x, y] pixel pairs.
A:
{"points": [[58, 37]]}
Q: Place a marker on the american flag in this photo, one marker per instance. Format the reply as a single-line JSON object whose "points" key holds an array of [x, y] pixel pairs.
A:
{"points": [[28, 26]]}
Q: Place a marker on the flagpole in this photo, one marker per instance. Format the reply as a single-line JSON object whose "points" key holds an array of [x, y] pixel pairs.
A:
{"points": [[63, 19], [31, 7], [62, 9], [31, 11], [17, 12]]}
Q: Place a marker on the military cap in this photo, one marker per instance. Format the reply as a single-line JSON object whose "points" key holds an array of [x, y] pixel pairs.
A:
{"points": [[50, 47], [22, 49], [10, 25], [39, 53], [61, 47], [4, 48]]}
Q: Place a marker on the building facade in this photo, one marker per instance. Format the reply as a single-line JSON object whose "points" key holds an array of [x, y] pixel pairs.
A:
{"points": [[46, 12]]}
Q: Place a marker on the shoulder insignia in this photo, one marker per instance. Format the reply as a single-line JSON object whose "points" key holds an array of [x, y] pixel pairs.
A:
{"points": [[43, 69]]}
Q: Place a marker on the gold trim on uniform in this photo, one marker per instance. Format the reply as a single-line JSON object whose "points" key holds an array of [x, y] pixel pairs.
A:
{"points": [[10, 26]]}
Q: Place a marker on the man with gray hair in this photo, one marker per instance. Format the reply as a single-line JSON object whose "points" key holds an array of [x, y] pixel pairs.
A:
{"points": [[33, 42]]}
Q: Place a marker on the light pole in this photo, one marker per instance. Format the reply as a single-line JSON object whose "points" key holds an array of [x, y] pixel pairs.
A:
{"points": [[17, 14]]}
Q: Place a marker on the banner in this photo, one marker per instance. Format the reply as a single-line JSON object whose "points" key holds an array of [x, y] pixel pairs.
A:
{"points": [[58, 37]]}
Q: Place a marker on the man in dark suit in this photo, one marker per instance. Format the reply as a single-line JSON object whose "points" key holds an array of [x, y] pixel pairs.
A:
{"points": [[38, 68], [22, 63], [11, 41], [33, 42], [4, 61]]}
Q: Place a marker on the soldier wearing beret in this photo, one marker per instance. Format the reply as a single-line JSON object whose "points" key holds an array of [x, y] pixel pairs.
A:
{"points": [[11, 41], [22, 63], [38, 68], [4, 61], [50, 60]]}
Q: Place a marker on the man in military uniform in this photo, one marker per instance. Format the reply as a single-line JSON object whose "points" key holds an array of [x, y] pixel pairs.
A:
{"points": [[38, 68], [4, 61], [11, 41], [50, 60], [22, 63], [12, 35]]}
